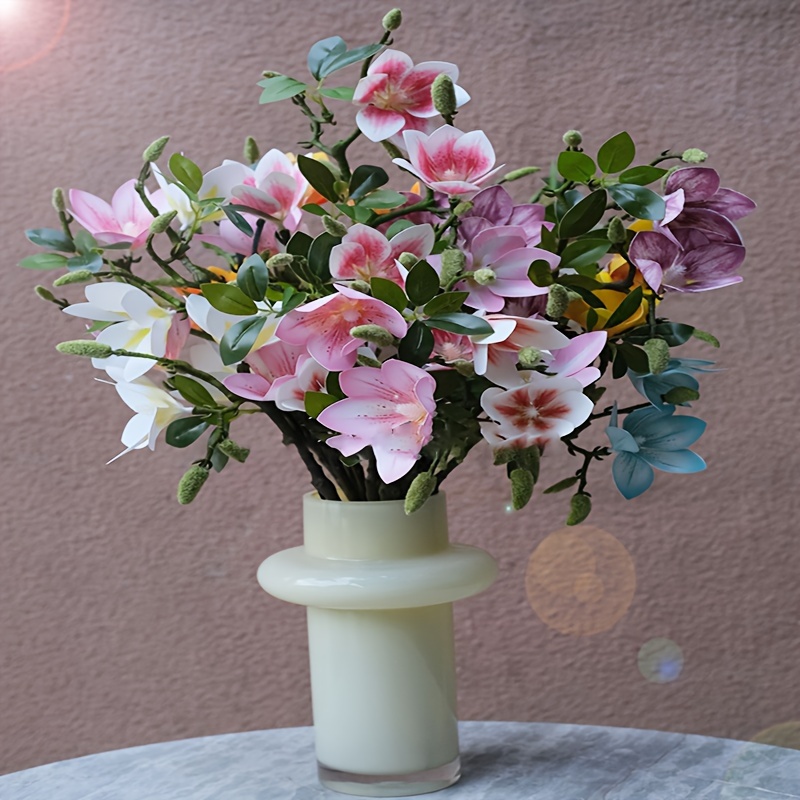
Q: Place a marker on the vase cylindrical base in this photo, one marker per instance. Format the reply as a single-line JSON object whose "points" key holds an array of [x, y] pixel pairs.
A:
{"points": [[429, 780]]}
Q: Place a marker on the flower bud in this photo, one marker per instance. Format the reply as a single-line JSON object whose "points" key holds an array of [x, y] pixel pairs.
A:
{"points": [[269, 74], [572, 138], [79, 276], [44, 294], [279, 260], [616, 231], [529, 357], [362, 359], [580, 506], [373, 333], [557, 301], [84, 347], [361, 286], [59, 203], [392, 150], [153, 152], [484, 276], [521, 488], [516, 174], [392, 20], [693, 156], [334, 227], [235, 451], [420, 490], [657, 355], [162, 222], [191, 483], [464, 368], [251, 152], [463, 207], [408, 260], [443, 92], [453, 262]]}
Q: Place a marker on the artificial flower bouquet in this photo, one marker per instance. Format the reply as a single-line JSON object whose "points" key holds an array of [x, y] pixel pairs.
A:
{"points": [[386, 332]]}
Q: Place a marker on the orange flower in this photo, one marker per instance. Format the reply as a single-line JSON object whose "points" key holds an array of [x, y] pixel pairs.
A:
{"points": [[224, 274]]}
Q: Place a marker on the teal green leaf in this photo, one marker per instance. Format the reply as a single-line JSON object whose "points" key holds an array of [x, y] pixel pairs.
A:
{"points": [[50, 237], [281, 87], [253, 278], [638, 201]]}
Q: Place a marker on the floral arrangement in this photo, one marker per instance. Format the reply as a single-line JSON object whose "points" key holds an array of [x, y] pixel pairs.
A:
{"points": [[387, 332]]}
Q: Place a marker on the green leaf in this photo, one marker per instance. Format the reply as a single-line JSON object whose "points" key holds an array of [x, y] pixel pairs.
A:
{"points": [[319, 255], [638, 201], [228, 298], [445, 303], [193, 392], [448, 382], [339, 93], [397, 226], [591, 319], [253, 278], [389, 292], [422, 283], [541, 273], [617, 153], [564, 202], [626, 309], [333, 63], [322, 50], [50, 237], [706, 337], [299, 244], [319, 176], [584, 253], [239, 339], [416, 346], [238, 220], [185, 171], [313, 208], [292, 301], [620, 367], [44, 261], [673, 333], [583, 216], [576, 166], [91, 261], [317, 402], [561, 485], [588, 297], [332, 386], [635, 357], [467, 324], [365, 179], [183, 432], [384, 199], [679, 395], [85, 242], [549, 240], [281, 87], [218, 459], [642, 175]]}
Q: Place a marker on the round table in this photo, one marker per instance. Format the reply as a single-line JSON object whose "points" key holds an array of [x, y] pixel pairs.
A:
{"points": [[501, 761]]}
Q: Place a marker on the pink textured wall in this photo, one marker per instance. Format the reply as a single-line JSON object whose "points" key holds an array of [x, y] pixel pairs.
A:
{"points": [[126, 619]]}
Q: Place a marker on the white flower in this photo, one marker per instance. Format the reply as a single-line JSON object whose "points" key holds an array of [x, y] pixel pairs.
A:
{"points": [[216, 323]]}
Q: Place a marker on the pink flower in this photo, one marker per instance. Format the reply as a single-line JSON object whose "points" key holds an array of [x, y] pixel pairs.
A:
{"points": [[390, 409], [323, 326], [449, 160], [125, 220], [540, 411], [574, 360], [366, 253], [499, 259], [268, 365], [451, 347], [396, 94], [232, 240], [289, 393]]}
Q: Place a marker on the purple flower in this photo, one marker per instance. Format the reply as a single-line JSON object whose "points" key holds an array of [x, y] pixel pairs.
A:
{"points": [[494, 207]]}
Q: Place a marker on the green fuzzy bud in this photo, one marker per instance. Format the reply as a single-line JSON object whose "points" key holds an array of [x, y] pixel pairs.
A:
{"points": [[269, 74], [463, 207], [557, 301], [408, 260], [616, 231], [154, 151], [58, 200], [453, 262], [85, 348], [572, 138], [657, 355], [366, 361], [373, 333], [680, 395], [279, 260], [580, 506], [162, 222], [44, 294], [79, 276], [393, 20], [693, 156], [516, 174], [251, 152], [235, 451], [484, 276], [529, 357], [361, 286], [418, 493], [443, 92], [334, 227], [191, 483], [521, 488], [392, 150], [465, 368]]}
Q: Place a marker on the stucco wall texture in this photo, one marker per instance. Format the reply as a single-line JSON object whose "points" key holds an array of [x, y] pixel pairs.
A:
{"points": [[126, 619]]}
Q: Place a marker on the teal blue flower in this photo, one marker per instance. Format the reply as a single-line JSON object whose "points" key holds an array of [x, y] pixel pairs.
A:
{"points": [[679, 372], [651, 438]]}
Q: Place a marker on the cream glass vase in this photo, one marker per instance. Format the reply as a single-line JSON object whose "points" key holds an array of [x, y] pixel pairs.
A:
{"points": [[379, 587]]}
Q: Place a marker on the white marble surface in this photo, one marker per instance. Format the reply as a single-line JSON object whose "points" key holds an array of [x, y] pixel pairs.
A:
{"points": [[501, 761]]}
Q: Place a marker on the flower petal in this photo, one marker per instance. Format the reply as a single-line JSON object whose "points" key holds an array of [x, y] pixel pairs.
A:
{"points": [[378, 124], [632, 475]]}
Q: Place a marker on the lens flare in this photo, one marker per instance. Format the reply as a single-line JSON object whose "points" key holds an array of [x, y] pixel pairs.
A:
{"points": [[660, 660], [29, 30]]}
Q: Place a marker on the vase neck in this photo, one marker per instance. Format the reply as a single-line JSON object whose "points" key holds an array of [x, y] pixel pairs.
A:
{"points": [[373, 530]]}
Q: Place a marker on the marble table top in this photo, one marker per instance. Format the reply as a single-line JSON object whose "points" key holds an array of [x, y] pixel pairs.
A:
{"points": [[501, 761]]}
